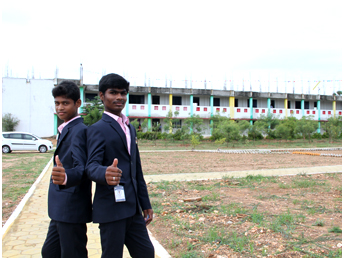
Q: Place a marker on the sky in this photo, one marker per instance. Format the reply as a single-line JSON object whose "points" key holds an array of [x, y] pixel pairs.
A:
{"points": [[265, 45]]}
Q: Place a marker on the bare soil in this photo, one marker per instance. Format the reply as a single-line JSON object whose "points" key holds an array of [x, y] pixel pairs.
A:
{"points": [[190, 162], [276, 217]]}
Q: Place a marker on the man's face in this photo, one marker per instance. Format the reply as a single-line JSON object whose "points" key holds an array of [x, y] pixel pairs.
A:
{"points": [[66, 108], [114, 100]]}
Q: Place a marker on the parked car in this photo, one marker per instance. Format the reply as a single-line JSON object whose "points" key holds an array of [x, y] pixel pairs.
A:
{"points": [[21, 141]]}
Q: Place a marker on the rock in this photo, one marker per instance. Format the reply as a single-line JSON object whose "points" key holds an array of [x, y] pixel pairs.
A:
{"points": [[192, 199]]}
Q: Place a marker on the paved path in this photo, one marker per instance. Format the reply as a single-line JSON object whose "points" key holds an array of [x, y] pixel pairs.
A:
{"points": [[25, 232]]}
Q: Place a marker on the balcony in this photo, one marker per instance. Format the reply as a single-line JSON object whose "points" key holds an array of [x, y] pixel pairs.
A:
{"points": [[159, 111]]}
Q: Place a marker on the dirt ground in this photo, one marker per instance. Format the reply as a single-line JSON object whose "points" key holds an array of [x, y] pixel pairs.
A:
{"points": [[276, 218], [190, 162]]}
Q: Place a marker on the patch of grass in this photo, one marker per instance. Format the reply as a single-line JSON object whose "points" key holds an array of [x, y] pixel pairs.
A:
{"points": [[306, 183], [319, 223], [213, 197], [335, 229], [21, 172], [232, 209], [257, 217]]}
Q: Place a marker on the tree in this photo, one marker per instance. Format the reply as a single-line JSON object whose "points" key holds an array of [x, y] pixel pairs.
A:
{"points": [[254, 132], [243, 126], [230, 130], [195, 141], [333, 127], [282, 131], [267, 123], [306, 126], [194, 122], [9, 122], [93, 111]]}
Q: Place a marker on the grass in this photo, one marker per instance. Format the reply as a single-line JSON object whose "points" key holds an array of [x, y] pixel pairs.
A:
{"points": [[294, 223], [19, 171], [250, 144], [247, 144]]}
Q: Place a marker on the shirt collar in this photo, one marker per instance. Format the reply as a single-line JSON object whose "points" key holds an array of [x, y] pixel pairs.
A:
{"points": [[123, 117], [63, 125]]}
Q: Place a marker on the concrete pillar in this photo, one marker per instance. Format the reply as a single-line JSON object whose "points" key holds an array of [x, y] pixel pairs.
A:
{"points": [[231, 106], [171, 102], [251, 110], [149, 111], [334, 108], [269, 105], [286, 107], [303, 107], [191, 112], [318, 106], [127, 106], [80, 110]]}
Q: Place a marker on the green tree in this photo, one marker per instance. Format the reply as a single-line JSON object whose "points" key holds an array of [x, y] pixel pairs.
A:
{"points": [[333, 127], [9, 122], [230, 129], [282, 131], [194, 140], [254, 131], [92, 111], [267, 123], [243, 126], [306, 126], [194, 122]]}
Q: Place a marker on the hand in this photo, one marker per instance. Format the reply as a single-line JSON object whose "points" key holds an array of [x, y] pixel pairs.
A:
{"points": [[111, 172], [148, 216], [58, 174]]}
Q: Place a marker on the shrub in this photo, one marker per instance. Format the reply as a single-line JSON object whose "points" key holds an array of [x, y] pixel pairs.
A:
{"points": [[316, 136], [9, 122]]}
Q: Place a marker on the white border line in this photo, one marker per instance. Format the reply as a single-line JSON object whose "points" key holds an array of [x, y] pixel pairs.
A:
{"points": [[21, 205]]}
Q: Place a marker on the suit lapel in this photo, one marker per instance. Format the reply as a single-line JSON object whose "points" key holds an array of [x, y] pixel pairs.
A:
{"points": [[133, 139], [66, 130], [115, 125]]}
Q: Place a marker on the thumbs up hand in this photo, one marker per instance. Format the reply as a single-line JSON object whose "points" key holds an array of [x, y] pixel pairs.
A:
{"points": [[58, 174], [113, 173]]}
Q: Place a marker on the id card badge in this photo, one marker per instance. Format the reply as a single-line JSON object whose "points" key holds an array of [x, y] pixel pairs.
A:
{"points": [[119, 193]]}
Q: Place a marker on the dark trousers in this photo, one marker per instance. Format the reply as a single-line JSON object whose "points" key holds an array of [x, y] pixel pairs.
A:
{"points": [[66, 240], [131, 232]]}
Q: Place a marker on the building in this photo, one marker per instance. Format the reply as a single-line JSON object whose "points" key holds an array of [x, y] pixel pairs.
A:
{"points": [[30, 100]]}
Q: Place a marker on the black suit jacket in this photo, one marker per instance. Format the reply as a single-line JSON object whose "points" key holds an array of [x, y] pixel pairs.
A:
{"points": [[72, 203], [105, 142]]}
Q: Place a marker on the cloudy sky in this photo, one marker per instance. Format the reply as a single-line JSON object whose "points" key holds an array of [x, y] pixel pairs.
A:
{"points": [[262, 45]]}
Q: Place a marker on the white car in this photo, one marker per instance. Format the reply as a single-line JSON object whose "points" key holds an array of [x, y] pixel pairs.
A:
{"points": [[21, 141]]}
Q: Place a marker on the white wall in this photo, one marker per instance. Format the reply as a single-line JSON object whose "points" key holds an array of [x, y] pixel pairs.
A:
{"points": [[32, 103]]}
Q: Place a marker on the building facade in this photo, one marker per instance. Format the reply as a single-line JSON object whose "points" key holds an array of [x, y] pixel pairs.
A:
{"points": [[32, 103]]}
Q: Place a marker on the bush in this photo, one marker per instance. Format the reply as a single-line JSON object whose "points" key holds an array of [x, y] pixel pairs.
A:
{"points": [[316, 136], [325, 135], [9, 122], [259, 136]]}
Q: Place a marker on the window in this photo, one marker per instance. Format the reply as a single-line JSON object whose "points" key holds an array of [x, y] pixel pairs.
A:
{"points": [[6, 135], [177, 124], [236, 102], [297, 104], [306, 104], [16, 136], [196, 100], [254, 103], [177, 101], [156, 100], [90, 96], [216, 102], [315, 104], [136, 99], [28, 137], [288, 104], [272, 103], [156, 122]]}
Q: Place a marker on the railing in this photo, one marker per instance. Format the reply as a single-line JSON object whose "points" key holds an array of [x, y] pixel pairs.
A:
{"points": [[141, 110]]}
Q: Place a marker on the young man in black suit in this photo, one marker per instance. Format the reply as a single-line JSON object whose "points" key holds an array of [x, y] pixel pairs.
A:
{"points": [[114, 164], [70, 195]]}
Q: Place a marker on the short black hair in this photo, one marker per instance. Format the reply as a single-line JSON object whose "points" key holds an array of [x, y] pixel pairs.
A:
{"points": [[113, 80], [68, 89]]}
